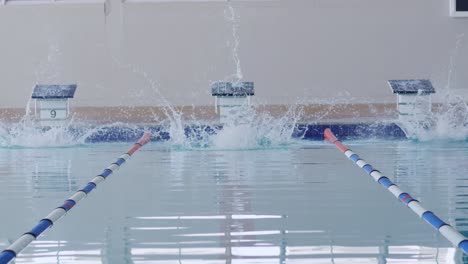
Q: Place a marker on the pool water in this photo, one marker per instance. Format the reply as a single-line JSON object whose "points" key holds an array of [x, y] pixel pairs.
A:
{"points": [[303, 202]]}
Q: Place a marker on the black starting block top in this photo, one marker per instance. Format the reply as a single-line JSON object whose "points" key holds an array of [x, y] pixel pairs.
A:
{"points": [[232, 89], [54, 91], [411, 86]]}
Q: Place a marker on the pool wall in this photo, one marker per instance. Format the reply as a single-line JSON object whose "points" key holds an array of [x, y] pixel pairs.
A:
{"points": [[301, 131], [309, 51]]}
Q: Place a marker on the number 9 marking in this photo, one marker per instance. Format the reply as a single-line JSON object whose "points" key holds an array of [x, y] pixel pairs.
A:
{"points": [[53, 113]]}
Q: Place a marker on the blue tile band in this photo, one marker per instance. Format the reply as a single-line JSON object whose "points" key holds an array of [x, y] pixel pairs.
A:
{"points": [[301, 131]]}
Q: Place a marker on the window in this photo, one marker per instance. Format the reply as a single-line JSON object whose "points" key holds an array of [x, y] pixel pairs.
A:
{"points": [[459, 8]]}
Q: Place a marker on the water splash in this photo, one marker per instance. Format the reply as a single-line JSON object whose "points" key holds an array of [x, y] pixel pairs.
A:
{"points": [[233, 19], [259, 130], [449, 119], [173, 121], [452, 119], [256, 130], [458, 44], [49, 70], [27, 134], [250, 128]]}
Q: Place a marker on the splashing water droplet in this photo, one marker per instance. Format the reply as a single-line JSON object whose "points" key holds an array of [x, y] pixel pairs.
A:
{"points": [[449, 121]]}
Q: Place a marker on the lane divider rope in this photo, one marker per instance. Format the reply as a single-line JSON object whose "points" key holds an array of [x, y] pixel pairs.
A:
{"points": [[452, 235], [21, 243]]}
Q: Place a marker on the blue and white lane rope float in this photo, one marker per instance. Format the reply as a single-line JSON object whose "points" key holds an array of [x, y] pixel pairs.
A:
{"points": [[21, 243], [455, 237]]}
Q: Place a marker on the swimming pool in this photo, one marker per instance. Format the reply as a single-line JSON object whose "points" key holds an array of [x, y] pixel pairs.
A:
{"points": [[301, 202]]}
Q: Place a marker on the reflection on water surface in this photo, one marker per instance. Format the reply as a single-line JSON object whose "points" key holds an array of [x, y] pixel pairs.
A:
{"points": [[303, 203]]}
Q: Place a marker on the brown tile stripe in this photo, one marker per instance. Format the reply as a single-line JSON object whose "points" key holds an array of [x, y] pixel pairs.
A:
{"points": [[311, 113]]}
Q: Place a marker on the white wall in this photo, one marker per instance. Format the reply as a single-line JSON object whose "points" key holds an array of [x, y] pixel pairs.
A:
{"points": [[294, 50]]}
